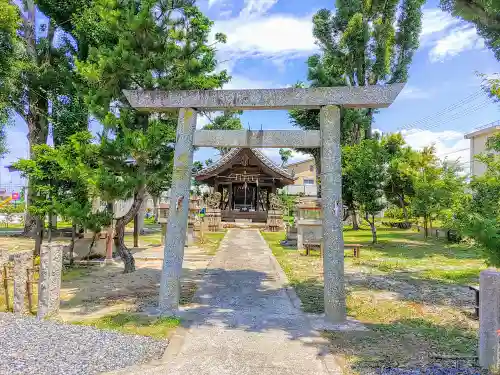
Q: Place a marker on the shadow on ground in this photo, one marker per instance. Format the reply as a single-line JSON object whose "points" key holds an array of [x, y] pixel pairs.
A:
{"points": [[101, 289]]}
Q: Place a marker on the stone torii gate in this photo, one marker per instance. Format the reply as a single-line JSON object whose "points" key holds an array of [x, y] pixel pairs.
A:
{"points": [[327, 99]]}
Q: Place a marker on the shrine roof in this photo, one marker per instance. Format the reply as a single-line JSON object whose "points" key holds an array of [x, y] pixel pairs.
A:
{"points": [[225, 162]]}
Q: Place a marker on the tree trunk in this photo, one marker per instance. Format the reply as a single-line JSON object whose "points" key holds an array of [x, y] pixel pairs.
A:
{"points": [[372, 227], [155, 206], [354, 218], [426, 230], [38, 235], [403, 207], [72, 244], [37, 110], [123, 251], [368, 131], [374, 230], [136, 230], [29, 219]]}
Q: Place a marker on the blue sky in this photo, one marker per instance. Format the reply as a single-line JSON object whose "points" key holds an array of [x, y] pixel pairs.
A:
{"points": [[270, 40]]}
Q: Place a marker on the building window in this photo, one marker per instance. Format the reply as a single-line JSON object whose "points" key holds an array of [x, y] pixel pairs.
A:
{"points": [[311, 168], [308, 181]]}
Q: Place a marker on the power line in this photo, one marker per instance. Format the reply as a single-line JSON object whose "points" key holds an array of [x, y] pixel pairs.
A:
{"points": [[454, 116], [454, 152], [461, 102]]}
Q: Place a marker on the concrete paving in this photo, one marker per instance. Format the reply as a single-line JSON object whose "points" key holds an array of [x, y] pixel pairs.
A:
{"points": [[246, 322]]}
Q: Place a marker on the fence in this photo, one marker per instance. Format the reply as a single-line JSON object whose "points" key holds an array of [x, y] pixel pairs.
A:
{"points": [[306, 190]]}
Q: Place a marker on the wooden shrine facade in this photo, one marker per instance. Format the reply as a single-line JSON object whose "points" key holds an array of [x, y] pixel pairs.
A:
{"points": [[245, 178]]}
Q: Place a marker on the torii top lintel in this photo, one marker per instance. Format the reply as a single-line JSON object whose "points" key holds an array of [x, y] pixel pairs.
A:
{"points": [[287, 98]]}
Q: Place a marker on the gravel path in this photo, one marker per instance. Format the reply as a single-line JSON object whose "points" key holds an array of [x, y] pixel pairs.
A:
{"points": [[245, 322], [29, 346]]}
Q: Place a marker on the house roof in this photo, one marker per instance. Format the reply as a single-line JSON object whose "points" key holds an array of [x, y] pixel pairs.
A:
{"points": [[233, 154], [299, 162], [485, 129]]}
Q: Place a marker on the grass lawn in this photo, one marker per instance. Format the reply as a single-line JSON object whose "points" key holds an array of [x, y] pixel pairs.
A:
{"points": [[135, 324], [211, 241], [411, 293]]}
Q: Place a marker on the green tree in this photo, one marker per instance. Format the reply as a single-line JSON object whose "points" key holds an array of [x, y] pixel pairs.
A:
{"points": [[62, 181], [435, 184], [229, 120], [37, 75], [484, 14], [478, 214], [360, 46], [140, 44], [365, 166], [10, 45], [400, 159], [285, 155]]}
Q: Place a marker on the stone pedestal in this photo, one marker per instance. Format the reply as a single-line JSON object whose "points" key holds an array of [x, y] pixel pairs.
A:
{"points": [[22, 262], [49, 282], [309, 231], [489, 320], [213, 215], [309, 222], [275, 220]]}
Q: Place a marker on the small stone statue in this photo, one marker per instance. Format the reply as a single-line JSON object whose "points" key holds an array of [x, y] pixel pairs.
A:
{"points": [[213, 200]]}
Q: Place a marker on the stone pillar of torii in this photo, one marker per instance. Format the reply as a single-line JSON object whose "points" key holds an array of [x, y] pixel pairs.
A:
{"points": [[327, 99]]}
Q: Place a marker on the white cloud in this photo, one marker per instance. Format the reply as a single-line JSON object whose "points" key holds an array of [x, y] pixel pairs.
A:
{"points": [[273, 36], [447, 36], [460, 40], [256, 7], [449, 144], [211, 3], [412, 92], [239, 82], [434, 21]]}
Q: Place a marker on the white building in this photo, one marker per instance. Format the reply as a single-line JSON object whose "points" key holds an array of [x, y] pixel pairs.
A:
{"points": [[478, 140]]}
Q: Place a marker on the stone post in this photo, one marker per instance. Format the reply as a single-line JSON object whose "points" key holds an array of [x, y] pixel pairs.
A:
{"points": [[49, 281], [178, 213], [22, 261], [4, 258], [331, 199], [489, 320]]}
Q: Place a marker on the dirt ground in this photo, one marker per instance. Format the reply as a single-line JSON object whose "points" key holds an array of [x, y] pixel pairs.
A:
{"points": [[105, 290]]}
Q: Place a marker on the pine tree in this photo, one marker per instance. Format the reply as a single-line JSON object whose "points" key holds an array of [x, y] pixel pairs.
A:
{"points": [[140, 44], [361, 44]]}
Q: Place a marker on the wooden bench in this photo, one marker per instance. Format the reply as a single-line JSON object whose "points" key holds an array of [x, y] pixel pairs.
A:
{"points": [[356, 249], [310, 245]]}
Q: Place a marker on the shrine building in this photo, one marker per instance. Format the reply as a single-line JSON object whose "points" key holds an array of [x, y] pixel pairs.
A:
{"points": [[245, 177]]}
